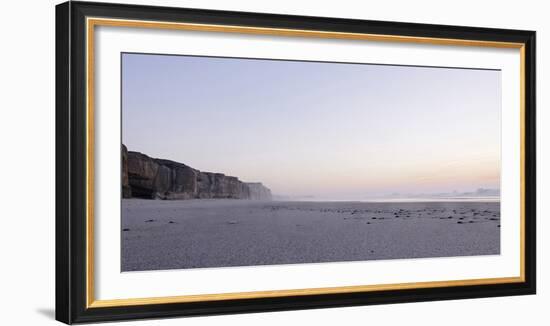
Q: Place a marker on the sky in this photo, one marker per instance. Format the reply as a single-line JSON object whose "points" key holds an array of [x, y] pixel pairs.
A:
{"points": [[327, 130]]}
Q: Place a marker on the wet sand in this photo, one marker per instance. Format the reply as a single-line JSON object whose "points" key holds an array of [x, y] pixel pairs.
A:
{"points": [[179, 234]]}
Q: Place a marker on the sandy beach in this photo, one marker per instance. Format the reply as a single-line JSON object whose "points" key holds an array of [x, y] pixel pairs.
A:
{"points": [[177, 234]]}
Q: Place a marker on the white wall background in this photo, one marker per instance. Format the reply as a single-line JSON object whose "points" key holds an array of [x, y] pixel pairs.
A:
{"points": [[27, 162]]}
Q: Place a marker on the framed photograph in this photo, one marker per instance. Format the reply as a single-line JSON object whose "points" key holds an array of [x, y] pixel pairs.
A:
{"points": [[212, 162]]}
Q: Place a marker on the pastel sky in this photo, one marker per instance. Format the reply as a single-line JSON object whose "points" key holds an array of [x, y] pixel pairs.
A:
{"points": [[329, 130]]}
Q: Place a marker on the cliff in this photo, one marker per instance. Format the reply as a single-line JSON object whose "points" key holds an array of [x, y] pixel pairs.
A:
{"points": [[146, 177], [126, 190], [258, 191]]}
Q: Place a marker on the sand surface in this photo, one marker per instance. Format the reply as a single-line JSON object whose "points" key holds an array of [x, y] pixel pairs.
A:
{"points": [[216, 233]]}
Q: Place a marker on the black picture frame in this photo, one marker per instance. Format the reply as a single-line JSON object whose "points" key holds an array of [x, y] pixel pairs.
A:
{"points": [[71, 157]]}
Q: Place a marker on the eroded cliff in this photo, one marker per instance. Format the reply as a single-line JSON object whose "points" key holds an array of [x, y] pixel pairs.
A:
{"points": [[146, 177]]}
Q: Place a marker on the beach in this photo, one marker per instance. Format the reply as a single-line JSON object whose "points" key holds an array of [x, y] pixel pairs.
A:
{"points": [[205, 233]]}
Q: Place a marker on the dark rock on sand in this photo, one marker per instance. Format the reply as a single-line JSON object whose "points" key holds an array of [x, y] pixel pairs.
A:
{"points": [[223, 233]]}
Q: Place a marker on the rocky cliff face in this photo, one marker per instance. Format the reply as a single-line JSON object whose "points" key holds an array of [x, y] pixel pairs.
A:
{"points": [[126, 190], [258, 191], [146, 177]]}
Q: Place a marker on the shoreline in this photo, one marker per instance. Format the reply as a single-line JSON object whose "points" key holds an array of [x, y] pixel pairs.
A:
{"points": [[204, 233], [396, 201]]}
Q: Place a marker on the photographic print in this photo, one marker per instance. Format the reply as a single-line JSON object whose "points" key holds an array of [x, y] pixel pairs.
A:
{"points": [[246, 161], [214, 162]]}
